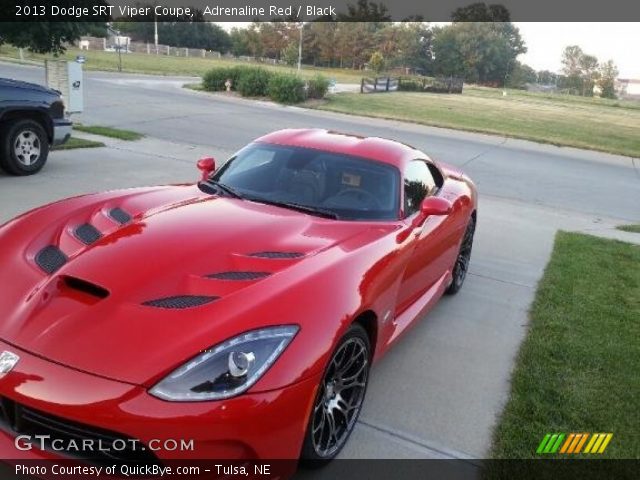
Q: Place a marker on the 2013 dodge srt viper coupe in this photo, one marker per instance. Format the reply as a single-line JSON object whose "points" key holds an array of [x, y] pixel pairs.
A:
{"points": [[242, 312]]}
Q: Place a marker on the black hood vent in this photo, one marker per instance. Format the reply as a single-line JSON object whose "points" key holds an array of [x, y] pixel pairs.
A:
{"points": [[88, 234], [180, 301], [238, 275], [50, 258], [119, 215], [89, 288], [276, 254]]}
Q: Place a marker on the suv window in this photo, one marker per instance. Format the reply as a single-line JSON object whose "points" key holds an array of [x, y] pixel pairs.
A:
{"points": [[418, 183]]}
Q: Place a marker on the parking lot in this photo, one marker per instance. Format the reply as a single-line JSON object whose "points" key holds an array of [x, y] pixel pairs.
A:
{"points": [[439, 392]]}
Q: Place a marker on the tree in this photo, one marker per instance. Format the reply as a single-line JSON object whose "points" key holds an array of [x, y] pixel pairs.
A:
{"points": [[365, 11], [239, 44], [254, 40], [481, 52], [290, 54], [572, 81], [481, 12], [545, 77], [46, 37], [407, 45], [376, 62], [185, 33], [521, 75], [571, 60], [589, 72], [447, 52], [606, 81]]}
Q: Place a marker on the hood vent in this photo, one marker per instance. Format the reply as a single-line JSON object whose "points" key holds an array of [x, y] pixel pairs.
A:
{"points": [[180, 302], [276, 254], [119, 215], [87, 234], [238, 275], [89, 288], [50, 258]]}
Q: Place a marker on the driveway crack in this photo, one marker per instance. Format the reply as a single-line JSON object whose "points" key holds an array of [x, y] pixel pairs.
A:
{"points": [[492, 147], [438, 450]]}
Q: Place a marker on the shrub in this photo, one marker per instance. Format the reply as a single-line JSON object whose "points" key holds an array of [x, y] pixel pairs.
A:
{"points": [[286, 88], [214, 80], [254, 82], [410, 85], [318, 87]]}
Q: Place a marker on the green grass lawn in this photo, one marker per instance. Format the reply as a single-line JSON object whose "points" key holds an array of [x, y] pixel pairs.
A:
{"points": [[75, 142], [165, 65], [578, 369], [109, 132], [629, 228], [592, 123]]}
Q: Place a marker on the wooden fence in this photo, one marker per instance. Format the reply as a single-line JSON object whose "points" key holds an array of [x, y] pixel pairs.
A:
{"points": [[412, 84], [379, 84]]}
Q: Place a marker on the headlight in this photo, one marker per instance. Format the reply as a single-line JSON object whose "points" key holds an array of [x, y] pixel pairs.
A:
{"points": [[227, 369]]}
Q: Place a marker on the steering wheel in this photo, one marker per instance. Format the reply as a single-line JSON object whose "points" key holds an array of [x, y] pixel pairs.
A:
{"points": [[361, 195]]}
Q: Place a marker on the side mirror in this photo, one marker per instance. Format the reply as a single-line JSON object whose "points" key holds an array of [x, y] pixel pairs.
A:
{"points": [[207, 165], [432, 206]]}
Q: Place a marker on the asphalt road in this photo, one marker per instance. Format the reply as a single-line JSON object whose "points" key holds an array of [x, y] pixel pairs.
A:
{"points": [[438, 394]]}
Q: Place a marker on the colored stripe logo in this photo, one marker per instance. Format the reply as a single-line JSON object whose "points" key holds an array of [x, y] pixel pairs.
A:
{"points": [[573, 443]]}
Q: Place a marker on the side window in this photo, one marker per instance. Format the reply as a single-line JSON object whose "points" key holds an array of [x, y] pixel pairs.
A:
{"points": [[418, 183]]}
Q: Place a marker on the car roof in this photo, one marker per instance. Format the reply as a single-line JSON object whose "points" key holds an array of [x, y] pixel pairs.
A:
{"points": [[374, 148]]}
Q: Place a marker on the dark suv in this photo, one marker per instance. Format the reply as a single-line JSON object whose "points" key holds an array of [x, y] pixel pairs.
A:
{"points": [[32, 119]]}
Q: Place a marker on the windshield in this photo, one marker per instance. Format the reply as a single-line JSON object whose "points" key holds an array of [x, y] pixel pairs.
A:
{"points": [[314, 181]]}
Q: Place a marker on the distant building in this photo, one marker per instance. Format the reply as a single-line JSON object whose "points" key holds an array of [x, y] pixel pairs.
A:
{"points": [[628, 88]]}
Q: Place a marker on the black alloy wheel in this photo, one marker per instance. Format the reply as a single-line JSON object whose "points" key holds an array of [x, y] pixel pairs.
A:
{"points": [[339, 399], [464, 257]]}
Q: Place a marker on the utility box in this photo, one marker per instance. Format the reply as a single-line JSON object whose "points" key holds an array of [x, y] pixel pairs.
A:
{"points": [[67, 77]]}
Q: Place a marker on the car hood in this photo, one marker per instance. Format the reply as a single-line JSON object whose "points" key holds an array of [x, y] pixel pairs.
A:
{"points": [[10, 83], [153, 291]]}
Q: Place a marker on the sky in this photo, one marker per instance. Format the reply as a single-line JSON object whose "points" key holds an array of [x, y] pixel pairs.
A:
{"points": [[545, 41], [616, 41]]}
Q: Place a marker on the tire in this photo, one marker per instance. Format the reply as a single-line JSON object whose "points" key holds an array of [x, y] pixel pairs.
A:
{"points": [[461, 266], [350, 360], [24, 147]]}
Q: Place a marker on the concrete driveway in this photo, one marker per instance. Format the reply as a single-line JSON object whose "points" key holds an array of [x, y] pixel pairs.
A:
{"points": [[439, 392]]}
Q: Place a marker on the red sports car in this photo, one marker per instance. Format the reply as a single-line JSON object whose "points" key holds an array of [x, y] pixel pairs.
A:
{"points": [[238, 316]]}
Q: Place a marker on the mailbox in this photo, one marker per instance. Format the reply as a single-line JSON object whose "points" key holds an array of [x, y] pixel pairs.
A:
{"points": [[67, 77]]}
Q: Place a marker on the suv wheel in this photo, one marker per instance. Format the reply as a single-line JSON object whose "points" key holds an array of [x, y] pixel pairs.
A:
{"points": [[24, 148]]}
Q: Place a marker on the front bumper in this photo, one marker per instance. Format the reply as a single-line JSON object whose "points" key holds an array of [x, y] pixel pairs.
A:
{"points": [[62, 129], [262, 426]]}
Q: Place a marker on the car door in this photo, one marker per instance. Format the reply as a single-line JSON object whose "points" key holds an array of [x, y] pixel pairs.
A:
{"points": [[427, 243]]}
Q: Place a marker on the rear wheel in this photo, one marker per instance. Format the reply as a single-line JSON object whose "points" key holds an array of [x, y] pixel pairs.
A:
{"points": [[339, 398], [24, 147], [461, 267]]}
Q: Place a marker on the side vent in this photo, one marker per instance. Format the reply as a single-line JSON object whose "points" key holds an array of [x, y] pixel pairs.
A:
{"points": [[181, 301], [88, 234], [238, 275], [89, 288], [119, 215], [50, 258], [276, 254]]}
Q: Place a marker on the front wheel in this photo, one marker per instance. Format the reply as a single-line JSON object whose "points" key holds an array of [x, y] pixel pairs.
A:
{"points": [[461, 266], [339, 398], [24, 147]]}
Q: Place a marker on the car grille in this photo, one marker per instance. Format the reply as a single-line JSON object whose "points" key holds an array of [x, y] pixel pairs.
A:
{"points": [[108, 446]]}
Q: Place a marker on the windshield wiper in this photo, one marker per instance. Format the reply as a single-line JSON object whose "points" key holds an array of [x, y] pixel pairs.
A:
{"points": [[225, 188], [321, 212]]}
